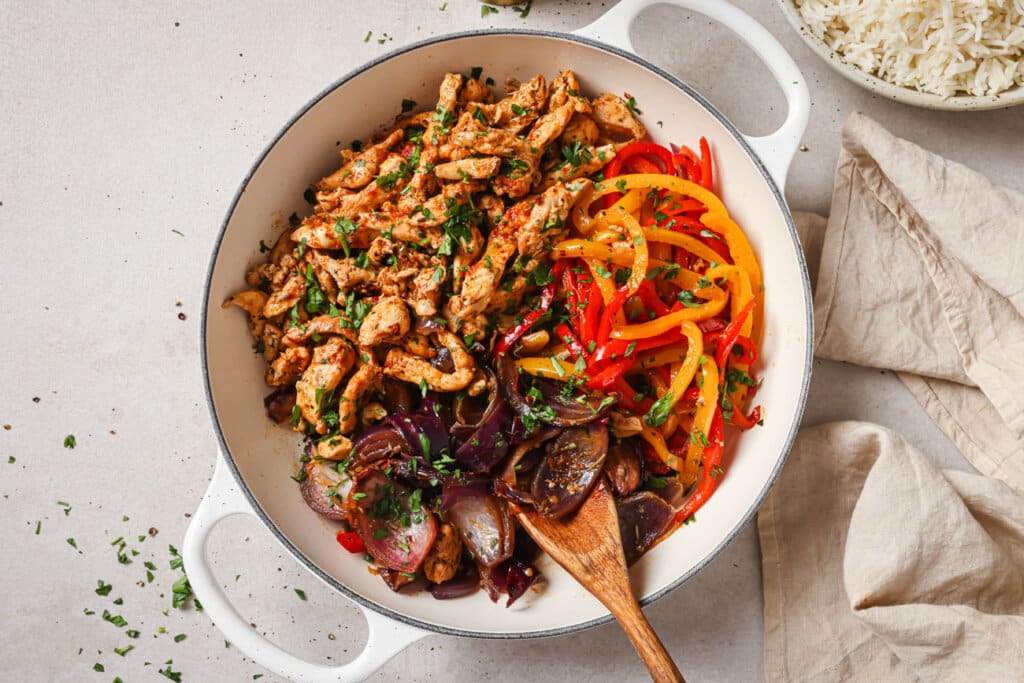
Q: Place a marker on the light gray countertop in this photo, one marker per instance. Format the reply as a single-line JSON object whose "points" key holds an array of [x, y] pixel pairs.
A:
{"points": [[124, 133]]}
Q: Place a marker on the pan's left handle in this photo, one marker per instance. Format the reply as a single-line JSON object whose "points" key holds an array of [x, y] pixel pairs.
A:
{"points": [[777, 149], [224, 499]]}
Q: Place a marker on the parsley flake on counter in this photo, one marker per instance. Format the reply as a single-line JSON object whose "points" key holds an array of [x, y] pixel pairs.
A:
{"points": [[122, 651], [301, 593], [71, 542], [487, 9], [180, 637], [103, 588], [169, 673], [69, 441], [98, 667], [115, 619]]}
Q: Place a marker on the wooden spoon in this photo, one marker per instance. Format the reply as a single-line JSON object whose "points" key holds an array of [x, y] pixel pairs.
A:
{"points": [[589, 547]]}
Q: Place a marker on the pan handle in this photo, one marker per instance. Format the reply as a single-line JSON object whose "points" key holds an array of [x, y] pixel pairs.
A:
{"points": [[223, 499], [775, 150]]}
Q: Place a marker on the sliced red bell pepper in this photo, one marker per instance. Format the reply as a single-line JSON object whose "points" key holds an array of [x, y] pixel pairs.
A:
{"points": [[547, 295], [639, 164], [591, 316], [604, 327], [743, 421], [351, 542], [619, 347], [607, 377], [711, 471], [705, 164], [710, 326], [650, 298], [572, 342], [729, 335]]}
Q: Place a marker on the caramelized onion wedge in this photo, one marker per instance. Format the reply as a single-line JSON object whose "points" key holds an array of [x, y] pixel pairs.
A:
{"points": [[483, 521], [624, 467], [397, 536], [324, 488], [643, 518], [489, 443], [558, 409], [378, 443], [570, 469]]}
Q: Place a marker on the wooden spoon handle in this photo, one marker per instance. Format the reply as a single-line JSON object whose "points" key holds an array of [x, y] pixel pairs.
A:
{"points": [[657, 659]]}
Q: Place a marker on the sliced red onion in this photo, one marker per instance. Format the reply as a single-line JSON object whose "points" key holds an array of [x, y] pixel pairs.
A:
{"points": [[397, 536], [424, 434], [426, 325], [624, 467], [489, 443], [399, 397], [558, 409], [468, 412], [458, 587], [379, 442], [669, 490], [515, 575], [570, 469], [643, 518], [483, 521], [443, 360], [324, 488], [279, 404]]}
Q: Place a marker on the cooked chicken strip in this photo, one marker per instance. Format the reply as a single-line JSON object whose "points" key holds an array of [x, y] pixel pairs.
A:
{"points": [[407, 368], [444, 113], [519, 109], [360, 170], [365, 380], [251, 301], [566, 88], [582, 129], [388, 321], [345, 273], [468, 168], [330, 363], [290, 293], [321, 325], [475, 91], [526, 173], [426, 288], [484, 275], [546, 224], [442, 562], [596, 157], [615, 119], [271, 339], [287, 367]]}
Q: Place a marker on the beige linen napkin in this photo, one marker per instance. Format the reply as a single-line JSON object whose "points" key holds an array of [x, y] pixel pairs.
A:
{"points": [[922, 271], [876, 566]]}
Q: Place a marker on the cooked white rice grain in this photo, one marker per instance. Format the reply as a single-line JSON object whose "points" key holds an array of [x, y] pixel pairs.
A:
{"points": [[943, 47]]}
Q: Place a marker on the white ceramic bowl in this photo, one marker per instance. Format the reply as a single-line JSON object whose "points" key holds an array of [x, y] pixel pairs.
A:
{"points": [[256, 458], [898, 93]]}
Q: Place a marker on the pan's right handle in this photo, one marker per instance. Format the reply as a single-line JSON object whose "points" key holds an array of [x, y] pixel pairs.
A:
{"points": [[775, 150], [223, 499]]}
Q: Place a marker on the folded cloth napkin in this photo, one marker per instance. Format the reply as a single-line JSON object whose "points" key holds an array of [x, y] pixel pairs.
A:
{"points": [[876, 565]]}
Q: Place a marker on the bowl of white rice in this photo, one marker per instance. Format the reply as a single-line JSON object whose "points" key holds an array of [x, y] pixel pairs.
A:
{"points": [[939, 54]]}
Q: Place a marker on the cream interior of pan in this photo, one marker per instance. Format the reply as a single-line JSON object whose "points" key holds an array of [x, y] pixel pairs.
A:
{"points": [[266, 455]]}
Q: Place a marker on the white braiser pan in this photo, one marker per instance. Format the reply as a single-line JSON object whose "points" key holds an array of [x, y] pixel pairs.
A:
{"points": [[251, 475]]}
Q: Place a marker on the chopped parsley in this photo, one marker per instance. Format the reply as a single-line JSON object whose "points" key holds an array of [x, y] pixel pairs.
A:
{"points": [[69, 441]]}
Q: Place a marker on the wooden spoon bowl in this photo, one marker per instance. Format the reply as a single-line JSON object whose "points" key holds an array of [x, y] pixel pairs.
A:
{"points": [[589, 547]]}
